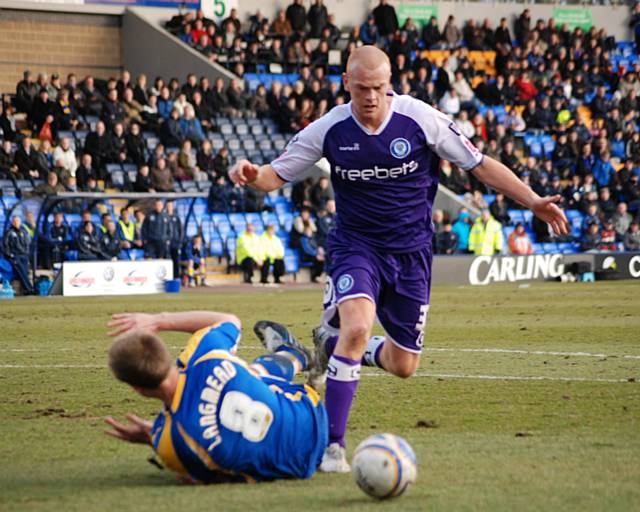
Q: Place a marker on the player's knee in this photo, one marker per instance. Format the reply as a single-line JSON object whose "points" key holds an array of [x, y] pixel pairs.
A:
{"points": [[357, 330], [404, 372]]}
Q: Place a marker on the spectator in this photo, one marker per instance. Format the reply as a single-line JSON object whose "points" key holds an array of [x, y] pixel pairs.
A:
{"points": [[621, 220], [485, 238], [7, 122], [519, 242], [157, 232], [281, 27], [25, 161], [522, 28], [249, 252], [462, 229], [499, 210], [219, 196], [450, 102], [66, 115], [127, 231], [112, 110], [608, 237], [191, 126], [451, 33], [369, 31], [87, 243], [56, 241], [110, 242], [221, 162], [606, 205], [299, 224], [273, 253], [16, 250], [161, 177], [177, 234], [85, 172], [632, 237], [195, 263], [311, 253], [135, 145], [446, 241], [296, 15], [171, 133], [385, 19], [99, 145], [26, 93], [67, 155], [326, 222], [603, 170], [502, 34], [51, 187], [317, 18], [437, 220], [143, 182], [43, 117], [321, 192]]}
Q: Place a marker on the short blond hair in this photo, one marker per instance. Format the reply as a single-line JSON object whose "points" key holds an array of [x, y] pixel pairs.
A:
{"points": [[140, 358]]}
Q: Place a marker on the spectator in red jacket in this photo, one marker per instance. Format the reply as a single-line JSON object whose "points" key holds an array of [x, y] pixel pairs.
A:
{"points": [[526, 88]]}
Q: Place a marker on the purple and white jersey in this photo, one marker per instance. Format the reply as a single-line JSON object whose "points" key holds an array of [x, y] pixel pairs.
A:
{"points": [[385, 181]]}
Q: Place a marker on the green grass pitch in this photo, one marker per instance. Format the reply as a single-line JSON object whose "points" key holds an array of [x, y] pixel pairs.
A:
{"points": [[526, 399]]}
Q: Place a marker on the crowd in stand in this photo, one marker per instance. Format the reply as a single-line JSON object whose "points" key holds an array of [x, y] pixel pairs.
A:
{"points": [[546, 80]]}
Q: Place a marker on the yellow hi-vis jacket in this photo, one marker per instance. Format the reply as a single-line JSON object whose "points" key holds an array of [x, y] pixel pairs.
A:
{"points": [[272, 247], [249, 245], [485, 240]]}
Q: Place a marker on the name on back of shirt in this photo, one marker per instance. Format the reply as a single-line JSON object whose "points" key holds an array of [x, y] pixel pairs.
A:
{"points": [[209, 397]]}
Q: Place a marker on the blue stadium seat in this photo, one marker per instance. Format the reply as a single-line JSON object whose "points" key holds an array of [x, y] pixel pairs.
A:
{"points": [[270, 218], [550, 247], [291, 261], [286, 221], [516, 216], [216, 247], [231, 250], [254, 218], [538, 248], [238, 222]]}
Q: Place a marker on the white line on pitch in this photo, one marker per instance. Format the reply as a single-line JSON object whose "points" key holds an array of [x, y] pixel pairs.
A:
{"points": [[366, 374], [527, 352], [428, 349], [497, 377]]}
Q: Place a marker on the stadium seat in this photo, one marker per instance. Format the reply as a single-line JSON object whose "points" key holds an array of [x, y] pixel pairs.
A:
{"points": [[291, 261], [254, 218], [538, 248], [216, 246], [238, 222], [231, 250], [550, 247]]}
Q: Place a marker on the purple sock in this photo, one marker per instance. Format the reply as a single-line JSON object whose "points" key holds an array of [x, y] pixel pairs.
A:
{"points": [[330, 345], [342, 382]]}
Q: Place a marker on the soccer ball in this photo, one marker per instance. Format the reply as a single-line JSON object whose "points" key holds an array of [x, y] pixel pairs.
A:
{"points": [[384, 465]]}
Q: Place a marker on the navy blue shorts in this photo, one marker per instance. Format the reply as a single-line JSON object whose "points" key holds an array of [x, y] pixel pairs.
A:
{"points": [[398, 284]]}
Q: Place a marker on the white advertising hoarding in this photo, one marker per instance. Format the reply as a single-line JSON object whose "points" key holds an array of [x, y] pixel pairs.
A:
{"points": [[86, 278]]}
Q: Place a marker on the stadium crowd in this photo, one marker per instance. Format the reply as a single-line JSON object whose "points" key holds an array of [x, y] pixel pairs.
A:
{"points": [[559, 107]]}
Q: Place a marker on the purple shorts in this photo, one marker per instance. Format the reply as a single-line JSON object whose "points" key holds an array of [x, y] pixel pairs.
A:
{"points": [[398, 284]]}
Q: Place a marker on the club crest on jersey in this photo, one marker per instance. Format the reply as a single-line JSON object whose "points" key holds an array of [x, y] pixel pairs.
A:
{"points": [[345, 283], [400, 148]]}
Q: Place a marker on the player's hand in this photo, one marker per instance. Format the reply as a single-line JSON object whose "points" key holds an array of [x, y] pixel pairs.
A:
{"points": [[125, 322], [139, 430], [244, 172], [545, 208]]}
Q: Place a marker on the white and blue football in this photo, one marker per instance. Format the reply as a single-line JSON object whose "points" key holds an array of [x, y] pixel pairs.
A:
{"points": [[384, 466]]}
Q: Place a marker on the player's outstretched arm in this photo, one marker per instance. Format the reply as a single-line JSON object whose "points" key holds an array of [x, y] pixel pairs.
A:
{"points": [[259, 177], [138, 430], [499, 177], [188, 321]]}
